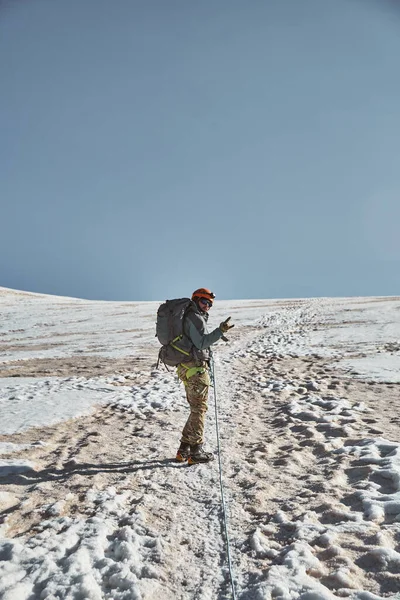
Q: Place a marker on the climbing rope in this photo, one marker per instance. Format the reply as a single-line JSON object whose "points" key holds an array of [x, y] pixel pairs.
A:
{"points": [[228, 551]]}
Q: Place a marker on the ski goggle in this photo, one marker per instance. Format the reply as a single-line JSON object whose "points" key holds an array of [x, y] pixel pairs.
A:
{"points": [[205, 302]]}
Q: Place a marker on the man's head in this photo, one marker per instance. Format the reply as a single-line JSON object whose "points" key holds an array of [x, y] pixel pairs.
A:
{"points": [[203, 298]]}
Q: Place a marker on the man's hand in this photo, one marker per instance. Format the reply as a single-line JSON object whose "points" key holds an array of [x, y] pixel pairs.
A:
{"points": [[225, 326]]}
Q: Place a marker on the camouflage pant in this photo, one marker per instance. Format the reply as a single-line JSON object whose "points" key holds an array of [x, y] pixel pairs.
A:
{"points": [[196, 387]]}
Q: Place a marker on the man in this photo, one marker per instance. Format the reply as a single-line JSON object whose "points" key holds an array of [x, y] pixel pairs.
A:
{"points": [[195, 375]]}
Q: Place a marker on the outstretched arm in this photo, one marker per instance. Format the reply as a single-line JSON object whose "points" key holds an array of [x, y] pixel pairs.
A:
{"points": [[203, 340]]}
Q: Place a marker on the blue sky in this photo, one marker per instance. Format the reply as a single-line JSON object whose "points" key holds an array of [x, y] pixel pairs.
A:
{"points": [[150, 148]]}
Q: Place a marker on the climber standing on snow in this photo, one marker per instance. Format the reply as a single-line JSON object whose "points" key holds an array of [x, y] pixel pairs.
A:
{"points": [[195, 374]]}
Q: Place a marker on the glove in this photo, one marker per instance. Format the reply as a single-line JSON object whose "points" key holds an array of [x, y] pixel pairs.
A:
{"points": [[224, 326]]}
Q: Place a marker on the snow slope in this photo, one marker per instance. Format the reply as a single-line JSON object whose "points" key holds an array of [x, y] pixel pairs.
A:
{"points": [[94, 506]]}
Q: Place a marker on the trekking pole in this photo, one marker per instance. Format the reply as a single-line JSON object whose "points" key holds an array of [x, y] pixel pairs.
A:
{"points": [[228, 552]]}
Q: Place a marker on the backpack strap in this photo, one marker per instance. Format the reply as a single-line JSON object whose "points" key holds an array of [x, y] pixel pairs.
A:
{"points": [[179, 337]]}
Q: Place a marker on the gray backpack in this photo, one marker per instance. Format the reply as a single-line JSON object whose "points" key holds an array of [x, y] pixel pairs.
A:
{"points": [[176, 347]]}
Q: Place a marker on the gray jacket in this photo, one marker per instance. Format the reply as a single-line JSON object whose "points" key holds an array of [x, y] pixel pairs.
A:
{"points": [[195, 329]]}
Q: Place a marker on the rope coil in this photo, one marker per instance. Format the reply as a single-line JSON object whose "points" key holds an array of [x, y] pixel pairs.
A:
{"points": [[228, 551]]}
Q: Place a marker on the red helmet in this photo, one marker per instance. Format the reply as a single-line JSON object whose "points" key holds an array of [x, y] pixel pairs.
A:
{"points": [[203, 293]]}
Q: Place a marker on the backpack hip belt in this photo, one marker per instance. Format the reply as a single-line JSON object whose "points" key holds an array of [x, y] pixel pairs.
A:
{"points": [[190, 371]]}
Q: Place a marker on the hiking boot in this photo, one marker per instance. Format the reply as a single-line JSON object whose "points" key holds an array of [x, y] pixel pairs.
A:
{"points": [[198, 455], [183, 452]]}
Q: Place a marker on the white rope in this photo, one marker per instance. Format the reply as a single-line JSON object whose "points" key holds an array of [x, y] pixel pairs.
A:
{"points": [[228, 552]]}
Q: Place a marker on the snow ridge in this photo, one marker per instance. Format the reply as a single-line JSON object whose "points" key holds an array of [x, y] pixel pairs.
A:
{"points": [[310, 459]]}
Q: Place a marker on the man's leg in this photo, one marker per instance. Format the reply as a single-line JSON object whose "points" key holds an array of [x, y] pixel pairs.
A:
{"points": [[197, 388], [197, 394]]}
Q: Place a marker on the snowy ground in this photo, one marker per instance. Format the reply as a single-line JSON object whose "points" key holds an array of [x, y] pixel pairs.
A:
{"points": [[93, 506]]}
